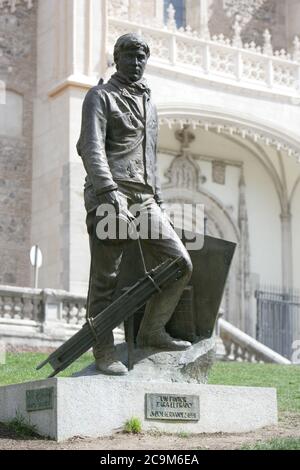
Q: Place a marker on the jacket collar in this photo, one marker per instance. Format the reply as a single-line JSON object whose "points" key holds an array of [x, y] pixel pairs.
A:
{"points": [[128, 88]]}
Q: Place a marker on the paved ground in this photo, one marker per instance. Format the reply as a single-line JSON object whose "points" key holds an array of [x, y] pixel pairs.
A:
{"points": [[289, 426]]}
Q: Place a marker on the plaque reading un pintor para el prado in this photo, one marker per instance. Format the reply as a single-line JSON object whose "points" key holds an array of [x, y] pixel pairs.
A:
{"points": [[172, 407]]}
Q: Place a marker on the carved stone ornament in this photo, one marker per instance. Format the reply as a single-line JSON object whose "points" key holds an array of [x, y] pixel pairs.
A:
{"points": [[185, 136], [184, 172]]}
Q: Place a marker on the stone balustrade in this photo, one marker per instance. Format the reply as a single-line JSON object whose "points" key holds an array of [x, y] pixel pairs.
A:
{"points": [[238, 346], [20, 304], [37, 319], [41, 319], [219, 59], [38, 305]]}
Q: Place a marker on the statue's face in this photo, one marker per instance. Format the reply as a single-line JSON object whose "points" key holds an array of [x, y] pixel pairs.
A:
{"points": [[132, 63]]}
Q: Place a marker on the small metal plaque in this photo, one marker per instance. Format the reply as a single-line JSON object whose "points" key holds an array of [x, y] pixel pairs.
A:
{"points": [[172, 407], [39, 399]]}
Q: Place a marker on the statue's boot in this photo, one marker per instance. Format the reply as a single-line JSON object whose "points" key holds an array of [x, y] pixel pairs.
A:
{"points": [[159, 310], [152, 332], [108, 364], [106, 360], [161, 340]]}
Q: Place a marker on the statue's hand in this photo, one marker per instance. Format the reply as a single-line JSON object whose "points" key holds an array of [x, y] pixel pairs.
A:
{"points": [[111, 197]]}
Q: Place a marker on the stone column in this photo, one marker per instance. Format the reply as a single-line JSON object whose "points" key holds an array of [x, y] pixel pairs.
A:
{"points": [[197, 16], [247, 319], [287, 250], [290, 312]]}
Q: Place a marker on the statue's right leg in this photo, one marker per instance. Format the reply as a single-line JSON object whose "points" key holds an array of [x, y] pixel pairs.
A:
{"points": [[105, 263]]}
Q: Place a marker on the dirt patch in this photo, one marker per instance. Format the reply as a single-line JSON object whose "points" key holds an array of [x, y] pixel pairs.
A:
{"points": [[289, 426]]}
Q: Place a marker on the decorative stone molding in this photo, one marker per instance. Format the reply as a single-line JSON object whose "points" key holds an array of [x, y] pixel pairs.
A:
{"points": [[184, 171], [171, 22], [222, 61], [242, 129], [119, 13], [237, 29], [267, 49], [185, 137]]}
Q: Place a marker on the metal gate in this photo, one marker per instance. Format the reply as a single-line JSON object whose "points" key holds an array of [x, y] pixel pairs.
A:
{"points": [[278, 320]]}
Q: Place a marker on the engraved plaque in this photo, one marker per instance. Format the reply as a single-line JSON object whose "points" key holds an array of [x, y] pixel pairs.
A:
{"points": [[172, 407], [39, 399]]}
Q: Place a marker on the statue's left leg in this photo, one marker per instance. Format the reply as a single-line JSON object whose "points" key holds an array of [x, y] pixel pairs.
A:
{"points": [[161, 306]]}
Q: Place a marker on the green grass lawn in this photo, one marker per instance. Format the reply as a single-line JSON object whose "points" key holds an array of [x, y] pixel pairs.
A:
{"points": [[286, 379], [287, 443], [22, 367]]}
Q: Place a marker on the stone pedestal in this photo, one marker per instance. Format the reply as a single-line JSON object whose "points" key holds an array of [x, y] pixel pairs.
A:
{"points": [[99, 406]]}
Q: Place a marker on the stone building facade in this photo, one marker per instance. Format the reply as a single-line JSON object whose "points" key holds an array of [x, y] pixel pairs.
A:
{"points": [[218, 77], [18, 71]]}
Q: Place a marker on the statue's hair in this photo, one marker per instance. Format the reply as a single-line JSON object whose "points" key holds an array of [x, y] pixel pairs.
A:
{"points": [[130, 41]]}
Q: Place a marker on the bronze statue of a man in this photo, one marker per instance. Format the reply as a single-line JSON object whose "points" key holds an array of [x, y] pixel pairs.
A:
{"points": [[118, 147]]}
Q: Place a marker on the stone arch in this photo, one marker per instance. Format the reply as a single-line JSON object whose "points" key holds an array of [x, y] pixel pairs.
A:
{"points": [[220, 225], [228, 122], [244, 129]]}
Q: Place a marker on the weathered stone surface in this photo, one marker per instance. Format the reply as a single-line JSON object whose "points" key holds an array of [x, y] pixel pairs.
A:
{"points": [[99, 406], [190, 366], [18, 71]]}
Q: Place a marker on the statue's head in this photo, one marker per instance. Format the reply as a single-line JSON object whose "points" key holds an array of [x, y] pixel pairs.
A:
{"points": [[131, 54]]}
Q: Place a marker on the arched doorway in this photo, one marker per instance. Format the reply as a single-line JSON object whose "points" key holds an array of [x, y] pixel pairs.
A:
{"points": [[185, 187]]}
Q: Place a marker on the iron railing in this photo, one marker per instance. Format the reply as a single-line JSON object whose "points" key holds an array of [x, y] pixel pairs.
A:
{"points": [[278, 319]]}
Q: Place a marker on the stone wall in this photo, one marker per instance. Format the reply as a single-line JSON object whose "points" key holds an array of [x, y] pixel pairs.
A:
{"points": [[18, 71]]}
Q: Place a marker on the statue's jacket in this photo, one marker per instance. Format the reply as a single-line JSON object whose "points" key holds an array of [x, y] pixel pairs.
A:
{"points": [[117, 141]]}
